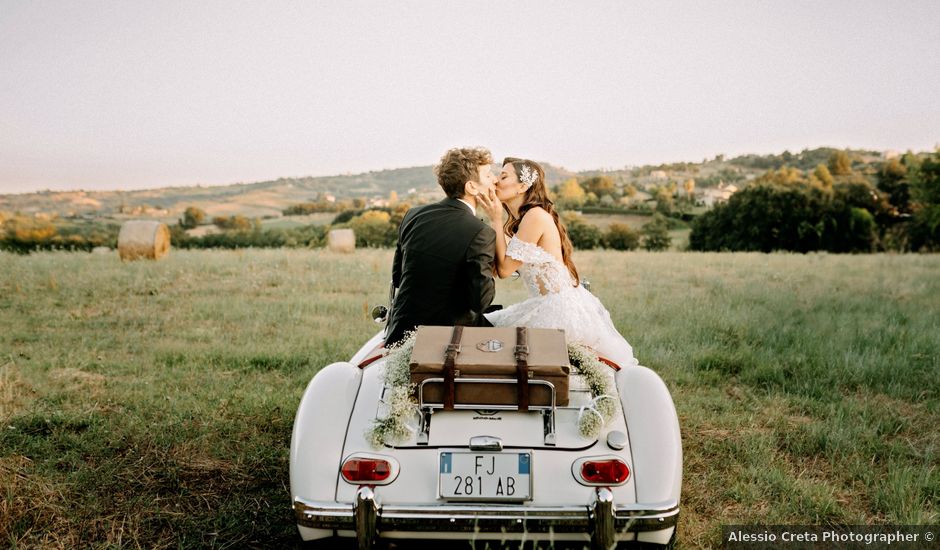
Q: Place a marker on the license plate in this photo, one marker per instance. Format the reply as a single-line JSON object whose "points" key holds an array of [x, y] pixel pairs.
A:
{"points": [[486, 476]]}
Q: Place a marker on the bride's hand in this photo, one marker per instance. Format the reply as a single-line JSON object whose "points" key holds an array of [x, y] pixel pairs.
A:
{"points": [[492, 206]]}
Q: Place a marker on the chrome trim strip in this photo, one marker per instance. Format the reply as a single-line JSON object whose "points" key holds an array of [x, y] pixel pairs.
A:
{"points": [[488, 518]]}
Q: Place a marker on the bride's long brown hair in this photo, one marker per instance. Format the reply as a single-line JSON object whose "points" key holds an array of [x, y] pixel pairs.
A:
{"points": [[537, 195]]}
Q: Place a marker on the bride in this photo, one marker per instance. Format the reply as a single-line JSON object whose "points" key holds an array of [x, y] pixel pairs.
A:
{"points": [[539, 248]]}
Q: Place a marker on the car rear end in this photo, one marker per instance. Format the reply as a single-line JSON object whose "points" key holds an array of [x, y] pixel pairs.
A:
{"points": [[487, 475]]}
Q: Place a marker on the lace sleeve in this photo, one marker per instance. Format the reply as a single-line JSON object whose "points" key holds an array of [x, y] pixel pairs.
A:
{"points": [[517, 251], [527, 252]]}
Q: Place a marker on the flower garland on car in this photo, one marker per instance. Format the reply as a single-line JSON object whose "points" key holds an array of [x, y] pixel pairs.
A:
{"points": [[402, 408], [606, 403]]}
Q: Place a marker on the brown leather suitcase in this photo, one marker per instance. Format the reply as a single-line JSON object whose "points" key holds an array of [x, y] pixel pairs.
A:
{"points": [[490, 353]]}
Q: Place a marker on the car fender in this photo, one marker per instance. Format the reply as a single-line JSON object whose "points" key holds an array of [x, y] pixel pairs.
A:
{"points": [[653, 429], [316, 444]]}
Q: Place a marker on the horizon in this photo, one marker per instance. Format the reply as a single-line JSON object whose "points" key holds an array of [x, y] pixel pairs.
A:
{"points": [[360, 172], [357, 173], [110, 96]]}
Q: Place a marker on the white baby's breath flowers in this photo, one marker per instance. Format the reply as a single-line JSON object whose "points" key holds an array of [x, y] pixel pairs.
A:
{"points": [[400, 407], [605, 403]]}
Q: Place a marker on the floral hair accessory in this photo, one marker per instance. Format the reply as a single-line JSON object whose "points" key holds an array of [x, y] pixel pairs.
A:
{"points": [[527, 175]]}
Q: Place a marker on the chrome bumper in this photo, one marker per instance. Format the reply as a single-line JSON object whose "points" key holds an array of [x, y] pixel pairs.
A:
{"points": [[602, 518]]}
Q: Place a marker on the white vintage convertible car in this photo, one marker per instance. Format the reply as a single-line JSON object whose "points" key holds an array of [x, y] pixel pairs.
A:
{"points": [[490, 475]]}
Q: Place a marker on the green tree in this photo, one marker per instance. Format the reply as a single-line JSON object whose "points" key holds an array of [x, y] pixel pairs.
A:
{"points": [[840, 164], [599, 185], [23, 234], [571, 194], [373, 228], [823, 175], [925, 180], [665, 204], [237, 222], [797, 215], [892, 179], [583, 235], [656, 234], [192, 217], [620, 236], [925, 191]]}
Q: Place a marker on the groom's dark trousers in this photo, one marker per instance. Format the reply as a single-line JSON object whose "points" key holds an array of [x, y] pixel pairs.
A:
{"points": [[443, 269]]}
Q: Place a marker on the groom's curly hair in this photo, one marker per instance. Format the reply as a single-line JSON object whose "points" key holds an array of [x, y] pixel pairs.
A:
{"points": [[458, 166]]}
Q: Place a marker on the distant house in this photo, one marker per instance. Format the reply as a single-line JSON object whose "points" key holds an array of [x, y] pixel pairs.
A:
{"points": [[329, 197], [659, 175], [713, 195], [891, 154]]}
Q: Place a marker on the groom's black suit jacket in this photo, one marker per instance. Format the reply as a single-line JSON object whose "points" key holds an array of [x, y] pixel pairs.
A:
{"points": [[443, 269]]}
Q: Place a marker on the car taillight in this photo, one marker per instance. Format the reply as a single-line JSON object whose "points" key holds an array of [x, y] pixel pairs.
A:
{"points": [[364, 470], [605, 471]]}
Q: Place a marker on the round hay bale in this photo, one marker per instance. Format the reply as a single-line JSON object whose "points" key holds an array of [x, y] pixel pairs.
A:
{"points": [[341, 240], [143, 239]]}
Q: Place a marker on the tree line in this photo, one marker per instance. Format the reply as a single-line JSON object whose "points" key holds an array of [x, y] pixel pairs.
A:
{"points": [[377, 227], [832, 207], [841, 204]]}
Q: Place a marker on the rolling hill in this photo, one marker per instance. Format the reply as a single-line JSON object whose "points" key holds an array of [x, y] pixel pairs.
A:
{"points": [[269, 198]]}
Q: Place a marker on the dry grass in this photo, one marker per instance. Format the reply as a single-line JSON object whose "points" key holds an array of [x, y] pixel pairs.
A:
{"points": [[149, 404]]}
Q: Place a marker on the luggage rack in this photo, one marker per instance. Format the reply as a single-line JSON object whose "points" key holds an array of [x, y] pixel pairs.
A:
{"points": [[427, 409]]}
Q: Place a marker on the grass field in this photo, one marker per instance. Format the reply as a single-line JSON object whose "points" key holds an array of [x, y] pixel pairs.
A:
{"points": [[150, 404]]}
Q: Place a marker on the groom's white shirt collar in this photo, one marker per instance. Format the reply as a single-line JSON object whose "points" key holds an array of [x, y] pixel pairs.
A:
{"points": [[470, 206]]}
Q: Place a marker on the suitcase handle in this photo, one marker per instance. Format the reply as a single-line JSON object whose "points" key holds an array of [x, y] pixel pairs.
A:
{"points": [[450, 357], [522, 368]]}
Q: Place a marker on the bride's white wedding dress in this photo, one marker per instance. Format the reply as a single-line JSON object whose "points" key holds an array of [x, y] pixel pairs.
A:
{"points": [[555, 303]]}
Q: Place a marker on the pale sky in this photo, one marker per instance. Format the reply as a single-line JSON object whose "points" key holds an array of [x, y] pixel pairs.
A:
{"points": [[137, 94]]}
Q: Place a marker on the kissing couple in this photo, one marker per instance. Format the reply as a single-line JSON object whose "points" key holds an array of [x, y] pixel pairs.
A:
{"points": [[446, 258]]}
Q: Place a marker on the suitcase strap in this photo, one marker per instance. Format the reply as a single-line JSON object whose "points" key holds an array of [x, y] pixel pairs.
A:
{"points": [[450, 357], [522, 368]]}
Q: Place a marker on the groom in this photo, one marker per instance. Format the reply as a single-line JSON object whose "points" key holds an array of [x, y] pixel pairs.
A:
{"points": [[443, 267]]}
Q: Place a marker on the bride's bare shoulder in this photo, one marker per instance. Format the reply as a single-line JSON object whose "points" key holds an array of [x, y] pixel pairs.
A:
{"points": [[537, 216]]}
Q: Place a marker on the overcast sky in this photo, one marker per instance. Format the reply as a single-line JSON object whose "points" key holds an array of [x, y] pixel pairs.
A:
{"points": [[135, 94]]}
